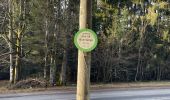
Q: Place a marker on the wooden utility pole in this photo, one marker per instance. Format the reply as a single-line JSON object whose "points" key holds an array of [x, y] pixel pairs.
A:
{"points": [[84, 59]]}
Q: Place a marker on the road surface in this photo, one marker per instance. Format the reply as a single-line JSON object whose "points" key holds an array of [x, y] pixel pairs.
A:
{"points": [[104, 94]]}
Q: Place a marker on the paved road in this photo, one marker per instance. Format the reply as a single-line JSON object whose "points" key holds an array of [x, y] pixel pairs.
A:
{"points": [[121, 94]]}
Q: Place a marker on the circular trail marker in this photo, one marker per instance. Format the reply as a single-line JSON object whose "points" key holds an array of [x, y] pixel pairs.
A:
{"points": [[85, 40]]}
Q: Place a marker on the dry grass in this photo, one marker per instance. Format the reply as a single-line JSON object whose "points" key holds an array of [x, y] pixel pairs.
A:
{"points": [[133, 85], [4, 89]]}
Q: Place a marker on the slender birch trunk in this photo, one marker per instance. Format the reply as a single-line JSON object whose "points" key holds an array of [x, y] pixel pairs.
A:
{"points": [[46, 49], [11, 40]]}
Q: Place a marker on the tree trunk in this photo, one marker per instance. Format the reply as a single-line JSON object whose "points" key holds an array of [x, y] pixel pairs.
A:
{"points": [[46, 49], [10, 42], [64, 66], [158, 72], [18, 58], [66, 45], [139, 69], [52, 71], [19, 32], [84, 59]]}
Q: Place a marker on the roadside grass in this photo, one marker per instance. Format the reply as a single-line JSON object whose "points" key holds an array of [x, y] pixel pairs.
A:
{"points": [[4, 86], [150, 84]]}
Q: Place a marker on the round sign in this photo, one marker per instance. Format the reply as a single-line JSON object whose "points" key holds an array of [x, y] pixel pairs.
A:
{"points": [[85, 40]]}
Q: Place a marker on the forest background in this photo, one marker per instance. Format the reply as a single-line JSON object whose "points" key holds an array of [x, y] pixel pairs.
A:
{"points": [[36, 40]]}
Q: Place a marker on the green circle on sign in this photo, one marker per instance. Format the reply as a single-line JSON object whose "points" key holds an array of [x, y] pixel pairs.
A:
{"points": [[85, 40]]}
